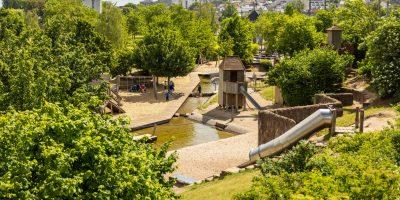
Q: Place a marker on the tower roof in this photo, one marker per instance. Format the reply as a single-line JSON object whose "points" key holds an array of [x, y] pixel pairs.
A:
{"points": [[232, 63]]}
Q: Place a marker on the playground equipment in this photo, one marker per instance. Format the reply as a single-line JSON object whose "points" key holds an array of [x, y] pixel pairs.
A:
{"points": [[319, 119], [232, 92]]}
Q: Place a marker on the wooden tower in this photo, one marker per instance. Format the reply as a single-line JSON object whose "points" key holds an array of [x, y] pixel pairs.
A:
{"points": [[231, 79]]}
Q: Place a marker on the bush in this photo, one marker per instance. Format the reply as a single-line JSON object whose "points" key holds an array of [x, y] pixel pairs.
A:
{"points": [[70, 153], [365, 166], [307, 73], [265, 64], [383, 57], [254, 48]]}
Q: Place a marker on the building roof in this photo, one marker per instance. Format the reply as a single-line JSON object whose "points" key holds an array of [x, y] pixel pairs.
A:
{"points": [[253, 16], [232, 63]]}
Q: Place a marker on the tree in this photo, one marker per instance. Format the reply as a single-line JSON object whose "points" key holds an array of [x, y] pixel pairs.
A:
{"points": [[236, 33], [112, 25], [163, 52], [383, 58], [70, 153], [297, 33], [307, 73], [267, 26], [134, 22], [324, 20], [294, 6], [229, 11], [207, 12]]}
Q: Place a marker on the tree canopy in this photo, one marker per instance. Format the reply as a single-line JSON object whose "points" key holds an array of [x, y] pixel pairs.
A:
{"points": [[235, 38], [70, 153]]}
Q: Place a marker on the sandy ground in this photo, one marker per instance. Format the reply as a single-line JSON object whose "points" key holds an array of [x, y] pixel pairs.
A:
{"points": [[143, 108], [380, 121]]}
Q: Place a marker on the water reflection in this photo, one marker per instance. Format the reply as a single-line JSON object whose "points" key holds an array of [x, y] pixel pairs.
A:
{"points": [[184, 132]]}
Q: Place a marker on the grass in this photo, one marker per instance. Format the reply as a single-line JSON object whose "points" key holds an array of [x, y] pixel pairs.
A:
{"points": [[222, 189], [266, 91]]}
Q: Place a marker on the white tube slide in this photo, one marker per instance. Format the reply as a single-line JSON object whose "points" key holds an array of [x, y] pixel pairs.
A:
{"points": [[319, 119]]}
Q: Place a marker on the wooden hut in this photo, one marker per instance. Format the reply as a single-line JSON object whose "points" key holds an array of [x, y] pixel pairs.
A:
{"points": [[231, 77]]}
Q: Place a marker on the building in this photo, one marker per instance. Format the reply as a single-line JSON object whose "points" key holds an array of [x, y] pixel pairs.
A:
{"points": [[95, 4]]}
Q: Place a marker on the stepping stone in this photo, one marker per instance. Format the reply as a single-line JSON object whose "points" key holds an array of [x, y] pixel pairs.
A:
{"points": [[250, 167], [184, 180], [232, 170]]}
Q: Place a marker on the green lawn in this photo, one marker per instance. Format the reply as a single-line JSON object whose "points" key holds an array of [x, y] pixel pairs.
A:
{"points": [[209, 102], [225, 188], [266, 91]]}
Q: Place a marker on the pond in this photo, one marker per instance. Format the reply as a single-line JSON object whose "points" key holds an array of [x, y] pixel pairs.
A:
{"points": [[184, 132]]}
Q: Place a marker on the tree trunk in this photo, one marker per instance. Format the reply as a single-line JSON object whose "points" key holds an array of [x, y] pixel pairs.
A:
{"points": [[155, 87]]}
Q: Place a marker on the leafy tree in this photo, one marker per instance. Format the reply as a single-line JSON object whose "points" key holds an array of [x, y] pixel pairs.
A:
{"points": [[112, 25], [324, 20], [307, 73], [206, 12], [357, 19], [230, 11], [163, 52], [134, 22], [294, 6], [37, 66], [267, 26], [235, 38], [70, 153], [11, 23], [383, 58], [297, 33]]}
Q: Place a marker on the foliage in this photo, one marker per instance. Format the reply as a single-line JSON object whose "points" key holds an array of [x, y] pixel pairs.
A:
{"points": [[307, 73], [69, 153], [229, 12], [293, 7], [163, 52], [235, 38], [357, 19], [38, 66], [324, 20], [265, 64], [365, 166], [278, 30], [134, 22], [297, 26], [207, 12], [112, 24], [255, 48], [383, 58]]}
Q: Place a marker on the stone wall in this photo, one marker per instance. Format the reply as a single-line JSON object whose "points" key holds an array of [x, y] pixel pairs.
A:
{"points": [[273, 123]]}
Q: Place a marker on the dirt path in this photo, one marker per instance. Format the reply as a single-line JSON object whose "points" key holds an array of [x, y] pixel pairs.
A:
{"points": [[380, 121]]}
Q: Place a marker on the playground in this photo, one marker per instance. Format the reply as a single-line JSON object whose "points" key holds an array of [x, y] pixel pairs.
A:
{"points": [[215, 137]]}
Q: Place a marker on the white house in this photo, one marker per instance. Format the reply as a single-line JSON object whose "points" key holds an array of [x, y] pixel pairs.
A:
{"points": [[95, 4]]}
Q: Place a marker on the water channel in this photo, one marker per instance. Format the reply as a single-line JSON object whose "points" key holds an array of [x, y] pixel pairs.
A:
{"points": [[184, 132]]}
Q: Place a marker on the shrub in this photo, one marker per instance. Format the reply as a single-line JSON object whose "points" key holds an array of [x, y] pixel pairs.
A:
{"points": [[71, 153], [383, 55], [364, 166], [254, 48], [307, 73], [265, 64]]}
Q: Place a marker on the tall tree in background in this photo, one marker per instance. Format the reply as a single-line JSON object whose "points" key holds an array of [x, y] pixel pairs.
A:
{"points": [[235, 38], [230, 11], [163, 52], [112, 24]]}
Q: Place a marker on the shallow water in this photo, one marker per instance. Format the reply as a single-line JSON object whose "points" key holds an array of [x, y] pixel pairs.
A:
{"points": [[184, 132]]}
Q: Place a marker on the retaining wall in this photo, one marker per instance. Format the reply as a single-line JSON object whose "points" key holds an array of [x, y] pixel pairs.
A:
{"points": [[273, 123]]}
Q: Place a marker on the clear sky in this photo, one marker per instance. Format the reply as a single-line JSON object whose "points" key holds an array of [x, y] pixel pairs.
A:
{"points": [[123, 2]]}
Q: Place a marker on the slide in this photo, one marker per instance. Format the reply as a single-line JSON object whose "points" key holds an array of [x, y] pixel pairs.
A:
{"points": [[247, 95], [321, 118]]}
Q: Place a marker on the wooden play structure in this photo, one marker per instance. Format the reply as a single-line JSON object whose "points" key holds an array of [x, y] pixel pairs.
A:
{"points": [[231, 77]]}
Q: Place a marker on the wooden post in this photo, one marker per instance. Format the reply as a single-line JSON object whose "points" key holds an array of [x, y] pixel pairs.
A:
{"points": [[333, 123], [155, 87], [232, 115], [357, 122], [154, 128], [237, 102], [361, 120], [118, 82]]}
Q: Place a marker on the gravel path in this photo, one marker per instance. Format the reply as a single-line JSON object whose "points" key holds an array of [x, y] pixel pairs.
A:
{"points": [[204, 160]]}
